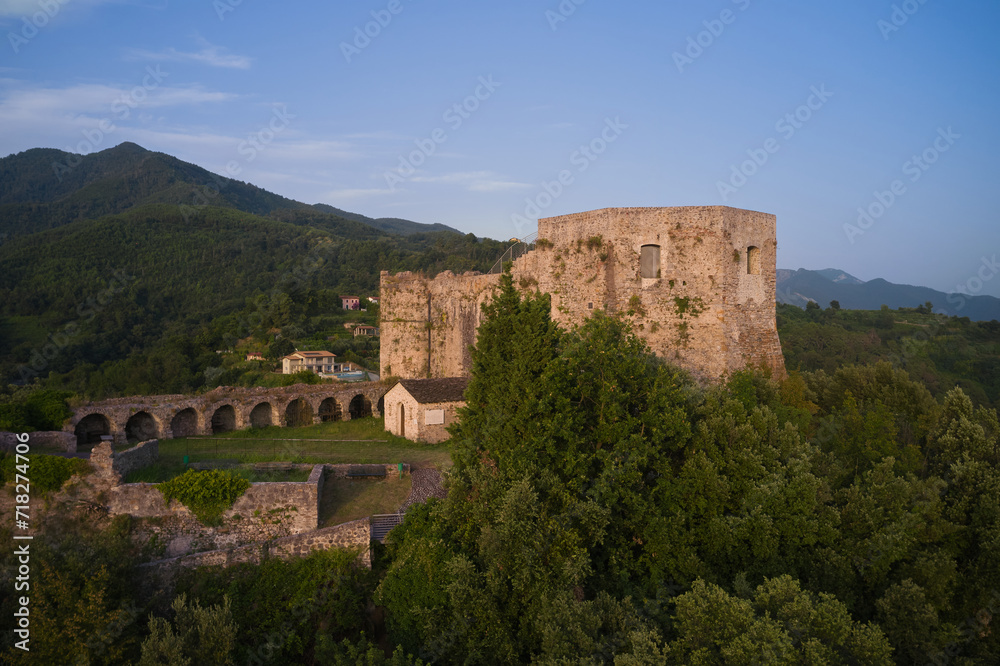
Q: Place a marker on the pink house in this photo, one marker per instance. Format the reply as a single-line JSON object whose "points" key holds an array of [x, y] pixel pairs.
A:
{"points": [[351, 302]]}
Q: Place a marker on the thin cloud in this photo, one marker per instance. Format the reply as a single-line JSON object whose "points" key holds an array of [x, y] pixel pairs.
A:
{"points": [[474, 181], [30, 7], [46, 104], [355, 194], [20, 7], [213, 56]]}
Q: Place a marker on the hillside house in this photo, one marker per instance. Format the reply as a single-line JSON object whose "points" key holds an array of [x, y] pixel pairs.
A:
{"points": [[350, 302], [320, 362], [421, 409], [255, 356]]}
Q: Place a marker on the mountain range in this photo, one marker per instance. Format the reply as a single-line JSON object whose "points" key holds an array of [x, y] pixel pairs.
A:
{"points": [[43, 188], [801, 286]]}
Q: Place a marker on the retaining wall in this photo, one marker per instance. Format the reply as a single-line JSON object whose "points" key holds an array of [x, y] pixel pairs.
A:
{"points": [[355, 534], [42, 441]]}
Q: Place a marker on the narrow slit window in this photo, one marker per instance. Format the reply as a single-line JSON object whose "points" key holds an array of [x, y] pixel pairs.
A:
{"points": [[753, 260], [649, 261]]}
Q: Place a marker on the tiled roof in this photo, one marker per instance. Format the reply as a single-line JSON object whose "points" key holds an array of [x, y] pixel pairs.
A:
{"points": [[310, 354], [427, 391]]}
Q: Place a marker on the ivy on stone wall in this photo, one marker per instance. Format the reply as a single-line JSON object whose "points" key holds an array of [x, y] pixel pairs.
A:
{"points": [[207, 494]]}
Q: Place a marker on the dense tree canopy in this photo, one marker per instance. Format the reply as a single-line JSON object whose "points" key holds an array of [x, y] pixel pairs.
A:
{"points": [[604, 508]]}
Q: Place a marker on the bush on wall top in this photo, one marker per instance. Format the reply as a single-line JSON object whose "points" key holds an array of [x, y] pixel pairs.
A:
{"points": [[207, 494], [46, 473]]}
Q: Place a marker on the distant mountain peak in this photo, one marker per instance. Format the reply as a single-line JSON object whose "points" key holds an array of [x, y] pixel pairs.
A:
{"points": [[128, 146], [839, 276]]}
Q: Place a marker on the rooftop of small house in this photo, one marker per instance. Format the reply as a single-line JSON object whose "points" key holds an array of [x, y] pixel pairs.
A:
{"points": [[429, 391]]}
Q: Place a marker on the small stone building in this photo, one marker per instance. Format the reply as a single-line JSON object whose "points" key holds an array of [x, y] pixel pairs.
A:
{"points": [[421, 409]]}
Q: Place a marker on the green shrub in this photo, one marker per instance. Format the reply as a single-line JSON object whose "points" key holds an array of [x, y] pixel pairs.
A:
{"points": [[289, 611], [46, 473], [207, 493]]}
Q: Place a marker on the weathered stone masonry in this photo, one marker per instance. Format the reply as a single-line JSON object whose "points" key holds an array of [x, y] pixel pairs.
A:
{"points": [[168, 416], [697, 283]]}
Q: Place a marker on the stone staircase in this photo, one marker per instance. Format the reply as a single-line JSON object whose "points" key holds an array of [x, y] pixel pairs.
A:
{"points": [[382, 523]]}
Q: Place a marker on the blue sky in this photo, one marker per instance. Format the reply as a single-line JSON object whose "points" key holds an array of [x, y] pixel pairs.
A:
{"points": [[466, 113]]}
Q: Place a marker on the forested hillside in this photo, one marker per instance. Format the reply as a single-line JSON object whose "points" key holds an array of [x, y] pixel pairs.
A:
{"points": [[941, 352], [126, 271], [139, 302]]}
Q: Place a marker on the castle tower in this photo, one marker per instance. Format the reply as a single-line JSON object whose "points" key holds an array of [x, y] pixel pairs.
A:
{"points": [[697, 283]]}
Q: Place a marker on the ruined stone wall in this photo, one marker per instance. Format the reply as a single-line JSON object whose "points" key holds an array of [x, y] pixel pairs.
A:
{"points": [[428, 325], [295, 505], [699, 305], [265, 511], [355, 535], [391, 470], [141, 455], [41, 441], [113, 467]]}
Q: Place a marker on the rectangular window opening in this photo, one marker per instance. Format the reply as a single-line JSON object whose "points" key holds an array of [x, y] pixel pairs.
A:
{"points": [[753, 260], [649, 261]]}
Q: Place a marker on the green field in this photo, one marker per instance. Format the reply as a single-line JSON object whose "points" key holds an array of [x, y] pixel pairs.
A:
{"points": [[355, 441], [349, 499]]}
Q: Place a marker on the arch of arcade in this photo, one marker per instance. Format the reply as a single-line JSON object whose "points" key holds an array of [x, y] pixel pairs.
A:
{"points": [[135, 419]]}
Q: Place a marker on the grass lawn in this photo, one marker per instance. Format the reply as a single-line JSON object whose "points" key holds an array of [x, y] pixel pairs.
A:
{"points": [[355, 441], [349, 499]]}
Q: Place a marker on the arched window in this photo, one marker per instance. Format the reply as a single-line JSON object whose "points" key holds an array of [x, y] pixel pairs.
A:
{"points": [[649, 261], [753, 260]]}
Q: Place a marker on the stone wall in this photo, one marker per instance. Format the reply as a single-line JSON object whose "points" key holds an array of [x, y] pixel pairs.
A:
{"points": [[265, 511], [141, 455], [700, 303], [391, 470], [41, 441], [428, 326], [114, 467], [356, 534]]}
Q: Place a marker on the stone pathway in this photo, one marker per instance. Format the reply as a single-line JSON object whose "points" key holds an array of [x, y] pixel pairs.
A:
{"points": [[427, 483]]}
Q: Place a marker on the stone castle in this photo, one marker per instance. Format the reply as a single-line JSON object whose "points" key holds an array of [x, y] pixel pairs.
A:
{"points": [[697, 283]]}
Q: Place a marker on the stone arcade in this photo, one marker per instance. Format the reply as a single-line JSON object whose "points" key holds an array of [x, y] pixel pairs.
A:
{"points": [[223, 409]]}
